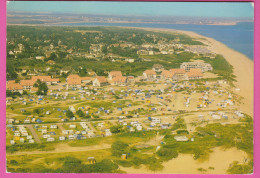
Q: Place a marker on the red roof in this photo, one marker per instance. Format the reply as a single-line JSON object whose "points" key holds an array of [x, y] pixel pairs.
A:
{"points": [[27, 82], [73, 80], [101, 79], [150, 72], [195, 73], [177, 71], [115, 73], [14, 86], [166, 73]]}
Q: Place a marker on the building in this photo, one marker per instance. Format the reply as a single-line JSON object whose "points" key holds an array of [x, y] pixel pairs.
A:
{"points": [[47, 79], [27, 84], [158, 67], [73, 81], [194, 74], [114, 74], [196, 65], [167, 75], [149, 75], [14, 87], [100, 81], [179, 74]]}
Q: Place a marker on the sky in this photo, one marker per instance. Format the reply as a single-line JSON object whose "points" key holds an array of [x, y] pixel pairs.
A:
{"points": [[199, 9]]}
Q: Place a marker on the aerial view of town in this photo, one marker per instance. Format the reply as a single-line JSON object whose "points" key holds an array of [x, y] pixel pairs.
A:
{"points": [[113, 99]]}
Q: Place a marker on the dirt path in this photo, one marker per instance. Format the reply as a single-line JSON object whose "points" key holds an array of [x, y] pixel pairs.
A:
{"points": [[34, 134], [65, 148], [60, 126], [92, 127]]}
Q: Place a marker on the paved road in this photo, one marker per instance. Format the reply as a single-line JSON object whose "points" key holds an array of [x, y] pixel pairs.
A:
{"points": [[34, 134]]}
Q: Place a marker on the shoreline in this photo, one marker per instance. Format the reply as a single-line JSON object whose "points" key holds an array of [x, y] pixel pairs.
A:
{"points": [[243, 67]]}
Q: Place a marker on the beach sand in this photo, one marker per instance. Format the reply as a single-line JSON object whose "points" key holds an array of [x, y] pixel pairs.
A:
{"points": [[185, 164], [243, 66]]}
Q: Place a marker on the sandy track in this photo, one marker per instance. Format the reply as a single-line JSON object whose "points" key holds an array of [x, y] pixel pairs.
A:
{"points": [[34, 134], [65, 148]]}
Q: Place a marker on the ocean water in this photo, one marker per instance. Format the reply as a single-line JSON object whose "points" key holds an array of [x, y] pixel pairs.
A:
{"points": [[239, 37]]}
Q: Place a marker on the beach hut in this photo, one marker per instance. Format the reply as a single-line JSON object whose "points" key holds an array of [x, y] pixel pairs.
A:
{"points": [[124, 156], [91, 160]]}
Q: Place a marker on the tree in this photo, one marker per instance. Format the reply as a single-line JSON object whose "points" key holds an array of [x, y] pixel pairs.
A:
{"points": [[80, 113], [69, 114], [37, 111], [116, 129], [42, 87]]}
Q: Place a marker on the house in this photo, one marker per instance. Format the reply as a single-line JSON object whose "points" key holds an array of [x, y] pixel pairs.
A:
{"points": [[181, 138], [14, 87], [50, 62], [114, 74], [39, 58], [47, 79], [196, 65], [194, 74], [27, 84], [86, 80], [73, 81], [149, 75], [167, 75], [31, 141], [130, 60], [130, 80], [100, 81], [119, 81], [179, 74], [158, 67]]}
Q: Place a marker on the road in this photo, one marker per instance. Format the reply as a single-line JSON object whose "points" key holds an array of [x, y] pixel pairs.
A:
{"points": [[34, 134]]}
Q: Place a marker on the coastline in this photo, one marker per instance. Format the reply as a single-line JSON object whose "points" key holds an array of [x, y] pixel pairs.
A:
{"points": [[243, 67]]}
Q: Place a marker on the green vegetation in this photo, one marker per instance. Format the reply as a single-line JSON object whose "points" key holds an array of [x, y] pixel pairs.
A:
{"points": [[69, 114], [237, 168], [118, 148], [29, 147], [42, 87]]}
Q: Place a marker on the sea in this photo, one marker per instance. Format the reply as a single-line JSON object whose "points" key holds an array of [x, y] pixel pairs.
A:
{"points": [[239, 37]]}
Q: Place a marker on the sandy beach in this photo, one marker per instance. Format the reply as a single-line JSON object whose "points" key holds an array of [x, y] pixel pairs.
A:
{"points": [[185, 164], [243, 66]]}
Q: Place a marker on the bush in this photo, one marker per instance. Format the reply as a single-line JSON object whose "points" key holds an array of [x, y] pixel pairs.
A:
{"points": [[118, 148], [167, 153], [13, 162]]}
